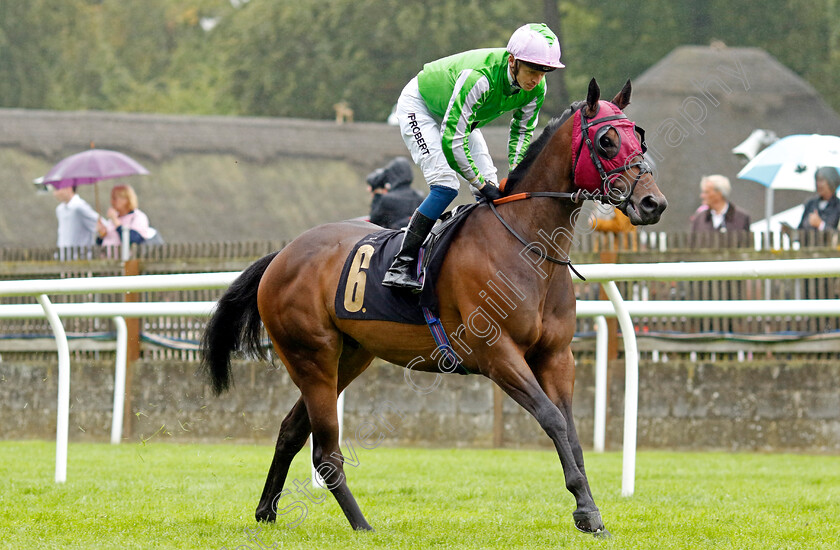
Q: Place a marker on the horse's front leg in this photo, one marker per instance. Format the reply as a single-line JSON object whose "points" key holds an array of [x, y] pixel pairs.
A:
{"points": [[515, 377], [555, 373]]}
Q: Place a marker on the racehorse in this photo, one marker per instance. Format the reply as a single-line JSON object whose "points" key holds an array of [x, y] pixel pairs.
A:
{"points": [[292, 292]]}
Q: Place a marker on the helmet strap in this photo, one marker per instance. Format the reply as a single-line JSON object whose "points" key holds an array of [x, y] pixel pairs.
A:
{"points": [[514, 73]]}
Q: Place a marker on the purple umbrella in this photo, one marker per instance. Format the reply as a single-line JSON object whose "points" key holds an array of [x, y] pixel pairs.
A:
{"points": [[92, 166]]}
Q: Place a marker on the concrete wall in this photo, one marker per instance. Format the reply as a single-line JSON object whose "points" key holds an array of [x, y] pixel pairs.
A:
{"points": [[739, 406]]}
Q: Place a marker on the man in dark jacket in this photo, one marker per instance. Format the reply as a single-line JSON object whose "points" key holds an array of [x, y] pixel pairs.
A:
{"points": [[717, 213], [394, 201], [823, 211]]}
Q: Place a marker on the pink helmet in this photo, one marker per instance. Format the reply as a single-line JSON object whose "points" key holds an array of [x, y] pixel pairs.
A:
{"points": [[536, 44]]}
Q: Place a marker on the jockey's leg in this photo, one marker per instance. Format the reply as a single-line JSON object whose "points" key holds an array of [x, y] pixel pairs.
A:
{"points": [[403, 271], [421, 134]]}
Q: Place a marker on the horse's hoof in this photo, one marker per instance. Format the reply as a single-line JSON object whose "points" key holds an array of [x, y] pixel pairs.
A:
{"points": [[598, 533], [592, 524], [361, 525], [266, 516], [602, 534]]}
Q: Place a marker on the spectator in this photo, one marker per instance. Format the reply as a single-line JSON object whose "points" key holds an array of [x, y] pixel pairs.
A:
{"points": [[717, 213], [609, 219], [606, 220], [77, 220], [823, 211], [123, 212], [393, 198]]}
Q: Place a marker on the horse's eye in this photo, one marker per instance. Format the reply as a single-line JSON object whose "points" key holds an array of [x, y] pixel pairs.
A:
{"points": [[606, 146]]}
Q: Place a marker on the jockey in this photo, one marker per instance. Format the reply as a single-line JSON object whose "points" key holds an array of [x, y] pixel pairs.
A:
{"points": [[441, 111]]}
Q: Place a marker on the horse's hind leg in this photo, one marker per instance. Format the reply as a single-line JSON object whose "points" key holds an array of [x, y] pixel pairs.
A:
{"points": [[293, 433], [556, 376], [296, 428], [320, 396]]}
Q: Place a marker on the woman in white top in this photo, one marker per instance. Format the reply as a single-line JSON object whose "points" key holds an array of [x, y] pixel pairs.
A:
{"points": [[123, 212]]}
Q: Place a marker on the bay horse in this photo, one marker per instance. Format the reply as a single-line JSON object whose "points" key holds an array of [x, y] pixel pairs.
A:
{"points": [[292, 293]]}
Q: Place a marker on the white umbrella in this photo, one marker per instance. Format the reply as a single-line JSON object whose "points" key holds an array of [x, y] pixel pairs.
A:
{"points": [[790, 163]]}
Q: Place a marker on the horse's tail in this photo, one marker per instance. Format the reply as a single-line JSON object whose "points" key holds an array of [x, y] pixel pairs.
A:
{"points": [[234, 326]]}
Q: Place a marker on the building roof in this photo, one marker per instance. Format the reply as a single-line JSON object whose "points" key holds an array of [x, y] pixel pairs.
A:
{"points": [[699, 102], [211, 178]]}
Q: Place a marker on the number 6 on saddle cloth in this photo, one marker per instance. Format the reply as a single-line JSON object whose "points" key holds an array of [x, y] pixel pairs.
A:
{"points": [[360, 293]]}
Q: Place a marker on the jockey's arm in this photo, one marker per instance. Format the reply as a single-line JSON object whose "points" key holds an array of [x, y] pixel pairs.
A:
{"points": [[522, 126], [459, 121]]}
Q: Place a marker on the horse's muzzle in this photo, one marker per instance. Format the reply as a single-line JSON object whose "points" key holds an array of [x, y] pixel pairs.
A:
{"points": [[647, 210]]}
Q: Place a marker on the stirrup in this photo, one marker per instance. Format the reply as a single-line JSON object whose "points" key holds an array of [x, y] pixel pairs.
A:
{"points": [[399, 276]]}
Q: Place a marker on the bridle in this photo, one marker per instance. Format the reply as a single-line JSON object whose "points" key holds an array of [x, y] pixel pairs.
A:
{"points": [[604, 193]]}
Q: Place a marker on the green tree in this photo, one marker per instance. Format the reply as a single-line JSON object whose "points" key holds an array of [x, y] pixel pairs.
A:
{"points": [[284, 58], [362, 51], [31, 49]]}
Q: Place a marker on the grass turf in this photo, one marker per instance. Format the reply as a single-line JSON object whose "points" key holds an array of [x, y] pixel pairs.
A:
{"points": [[163, 495]]}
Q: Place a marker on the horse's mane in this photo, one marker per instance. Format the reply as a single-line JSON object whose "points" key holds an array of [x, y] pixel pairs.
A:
{"points": [[538, 145]]}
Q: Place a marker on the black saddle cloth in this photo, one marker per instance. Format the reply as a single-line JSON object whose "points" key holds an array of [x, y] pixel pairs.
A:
{"points": [[360, 294]]}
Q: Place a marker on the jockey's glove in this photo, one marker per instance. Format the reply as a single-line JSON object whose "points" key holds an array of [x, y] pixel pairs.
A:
{"points": [[490, 191]]}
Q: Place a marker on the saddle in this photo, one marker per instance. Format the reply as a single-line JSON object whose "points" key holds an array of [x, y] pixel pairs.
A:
{"points": [[360, 294]]}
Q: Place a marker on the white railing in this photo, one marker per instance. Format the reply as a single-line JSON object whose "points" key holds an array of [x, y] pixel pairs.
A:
{"points": [[118, 310], [606, 274], [689, 271]]}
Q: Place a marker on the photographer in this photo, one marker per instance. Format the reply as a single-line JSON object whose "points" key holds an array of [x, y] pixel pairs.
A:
{"points": [[393, 198]]}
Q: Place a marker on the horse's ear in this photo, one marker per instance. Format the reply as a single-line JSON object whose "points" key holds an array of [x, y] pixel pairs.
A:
{"points": [[592, 97], [622, 99]]}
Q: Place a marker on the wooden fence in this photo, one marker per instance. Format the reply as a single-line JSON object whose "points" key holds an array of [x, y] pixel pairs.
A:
{"points": [[176, 338]]}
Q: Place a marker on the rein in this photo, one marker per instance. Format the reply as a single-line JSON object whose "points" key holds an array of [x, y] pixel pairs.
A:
{"points": [[578, 196], [530, 246]]}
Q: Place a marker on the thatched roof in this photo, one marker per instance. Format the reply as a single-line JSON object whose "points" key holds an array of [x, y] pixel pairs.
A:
{"points": [[728, 93], [212, 178]]}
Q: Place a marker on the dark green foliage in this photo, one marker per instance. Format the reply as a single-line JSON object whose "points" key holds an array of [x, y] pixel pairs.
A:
{"points": [[297, 59]]}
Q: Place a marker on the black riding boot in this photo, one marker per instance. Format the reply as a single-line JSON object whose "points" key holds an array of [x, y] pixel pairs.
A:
{"points": [[401, 274]]}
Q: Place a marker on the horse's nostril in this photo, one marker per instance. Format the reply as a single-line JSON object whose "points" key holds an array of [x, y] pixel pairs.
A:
{"points": [[649, 204], [652, 205]]}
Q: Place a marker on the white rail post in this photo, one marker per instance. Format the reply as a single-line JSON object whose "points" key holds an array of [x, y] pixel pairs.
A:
{"points": [[63, 408], [125, 243], [631, 389], [119, 380], [600, 420]]}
